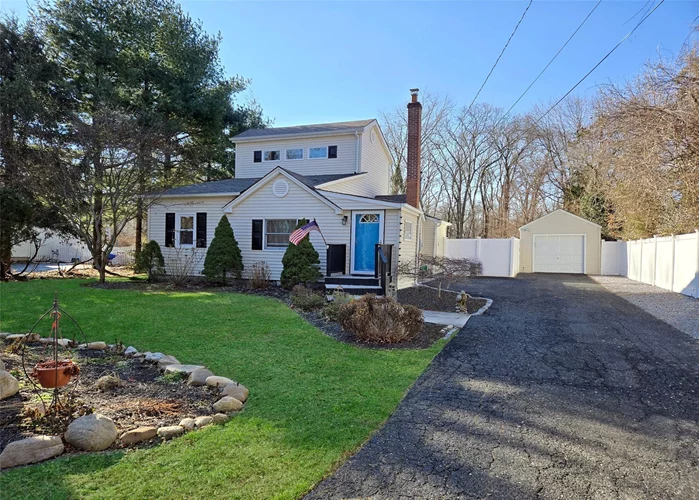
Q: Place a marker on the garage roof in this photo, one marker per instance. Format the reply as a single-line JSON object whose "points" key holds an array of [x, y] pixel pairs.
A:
{"points": [[565, 212]]}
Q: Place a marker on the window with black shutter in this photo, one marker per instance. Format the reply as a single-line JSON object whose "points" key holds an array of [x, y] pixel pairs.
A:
{"points": [[257, 157], [332, 151], [170, 229], [257, 234], [201, 229]]}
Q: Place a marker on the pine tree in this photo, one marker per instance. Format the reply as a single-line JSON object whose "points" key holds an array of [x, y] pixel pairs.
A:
{"points": [[301, 263], [223, 256], [150, 260]]}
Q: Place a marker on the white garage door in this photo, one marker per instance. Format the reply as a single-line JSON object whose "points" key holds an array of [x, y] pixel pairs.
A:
{"points": [[554, 253]]}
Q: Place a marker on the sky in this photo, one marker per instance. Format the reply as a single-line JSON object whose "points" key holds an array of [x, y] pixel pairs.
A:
{"points": [[317, 62]]}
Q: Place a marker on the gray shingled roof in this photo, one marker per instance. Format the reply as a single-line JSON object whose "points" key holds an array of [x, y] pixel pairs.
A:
{"points": [[304, 129], [394, 198], [231, 186]]}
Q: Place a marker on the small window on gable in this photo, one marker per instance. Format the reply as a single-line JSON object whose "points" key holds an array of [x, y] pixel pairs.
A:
{"points": [[332, 151], [408, 231], [294, 154], [318, 152], [274, 155]]}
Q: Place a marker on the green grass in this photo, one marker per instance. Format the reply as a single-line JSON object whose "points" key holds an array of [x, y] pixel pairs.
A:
{"points": [[313, 400]]}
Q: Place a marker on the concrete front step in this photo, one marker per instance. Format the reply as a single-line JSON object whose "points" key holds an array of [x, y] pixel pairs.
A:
{"points": [[355, 289], [352, 280]]}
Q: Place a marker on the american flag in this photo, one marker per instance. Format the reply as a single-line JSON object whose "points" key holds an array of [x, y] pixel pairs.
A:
{"points": [[301, 232]]}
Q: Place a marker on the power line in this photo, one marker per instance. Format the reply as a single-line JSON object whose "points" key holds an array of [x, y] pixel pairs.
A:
{"points": [[501, 53], [600, 62], [552, 59]]}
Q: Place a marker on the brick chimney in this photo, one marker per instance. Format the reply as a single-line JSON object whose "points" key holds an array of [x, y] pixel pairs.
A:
{"points": [[412, 185]]}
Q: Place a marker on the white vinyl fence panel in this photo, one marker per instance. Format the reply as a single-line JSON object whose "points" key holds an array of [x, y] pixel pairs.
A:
{"points": [[670, 262], [499, 257]]}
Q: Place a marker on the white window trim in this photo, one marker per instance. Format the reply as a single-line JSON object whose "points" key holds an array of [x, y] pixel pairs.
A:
{"points": [[303, 154], [408, 232], [327, 148], [264, 234], [382, 219], [178, 223], [268, 151]]}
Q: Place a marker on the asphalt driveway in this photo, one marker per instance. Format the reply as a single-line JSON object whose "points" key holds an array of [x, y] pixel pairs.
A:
{"points": [[561, 390]]}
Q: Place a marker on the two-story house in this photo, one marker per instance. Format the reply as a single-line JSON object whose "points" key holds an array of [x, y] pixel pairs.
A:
{"points": [[336, 173]]}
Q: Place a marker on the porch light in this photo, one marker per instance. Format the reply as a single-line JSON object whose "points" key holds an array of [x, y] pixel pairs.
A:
{"points": [[344, 220]]}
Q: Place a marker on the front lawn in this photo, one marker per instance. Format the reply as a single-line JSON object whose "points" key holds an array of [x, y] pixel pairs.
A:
{"points": [[313, 400]]}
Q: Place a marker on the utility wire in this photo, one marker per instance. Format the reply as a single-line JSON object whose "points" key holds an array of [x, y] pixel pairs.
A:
{"points": [[501, 53], [601, 61], [552, 59]]}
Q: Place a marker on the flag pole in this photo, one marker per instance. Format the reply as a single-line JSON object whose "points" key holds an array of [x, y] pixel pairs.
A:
{"points": [[321, 234]]}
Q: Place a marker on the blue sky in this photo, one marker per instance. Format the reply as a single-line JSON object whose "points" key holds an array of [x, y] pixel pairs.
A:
{"points": [[314, 62]]}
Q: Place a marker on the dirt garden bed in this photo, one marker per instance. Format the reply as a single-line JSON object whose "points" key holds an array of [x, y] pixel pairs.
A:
{"points": [[428, 299]]}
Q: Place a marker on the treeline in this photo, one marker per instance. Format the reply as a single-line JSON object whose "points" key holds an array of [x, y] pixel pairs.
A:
{"points": [[627, 159], [101, 102]]}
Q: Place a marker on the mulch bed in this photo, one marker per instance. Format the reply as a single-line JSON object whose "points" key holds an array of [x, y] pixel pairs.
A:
{"points": [[144, 398], [429, 299]]}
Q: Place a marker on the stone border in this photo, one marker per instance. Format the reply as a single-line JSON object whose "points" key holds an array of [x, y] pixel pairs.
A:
{"points": [[97, 432]]}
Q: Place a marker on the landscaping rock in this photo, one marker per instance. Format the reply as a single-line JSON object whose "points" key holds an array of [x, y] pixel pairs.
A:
{"points": [[97, 346], [170, 431], [138, 435], [61, 342], [166, 361], [182, 369], [34, 337], [216, 381], [4, 334], [200, 422], [239, 392], [221, 418], [154, 357], [30, 450], [226, 404], [109, 382], [8, 385], [187, 424], [2, 365], [198, 377], [130, 351], [92, 432]]}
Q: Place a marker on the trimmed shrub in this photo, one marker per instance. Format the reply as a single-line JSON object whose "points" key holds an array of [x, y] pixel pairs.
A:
{"points": [[331, 311], [223, 256], [380, 320], [306, 299], [301, 263], [150, 260], [260, 275]]}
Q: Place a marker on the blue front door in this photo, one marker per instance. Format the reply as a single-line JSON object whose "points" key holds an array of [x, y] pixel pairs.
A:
{"points": [[366, 236]]}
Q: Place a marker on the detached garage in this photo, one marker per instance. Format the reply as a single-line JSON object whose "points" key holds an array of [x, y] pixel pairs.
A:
{"points": [[560, 242]]}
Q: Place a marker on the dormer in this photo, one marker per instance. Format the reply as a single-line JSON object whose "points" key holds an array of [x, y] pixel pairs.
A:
{"points": [[356, 147]]}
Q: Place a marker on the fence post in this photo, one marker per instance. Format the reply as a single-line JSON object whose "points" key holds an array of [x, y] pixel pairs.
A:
{"points": [[478, 247], [655, 258], [640, 266], [672, 264], [696, 271], [512, 257]]}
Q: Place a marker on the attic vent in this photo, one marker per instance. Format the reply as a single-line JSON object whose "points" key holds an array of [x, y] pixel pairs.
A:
{"points": [[280, 188]]}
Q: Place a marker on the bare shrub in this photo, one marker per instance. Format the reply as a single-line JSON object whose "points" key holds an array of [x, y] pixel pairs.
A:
{"points": [[331, 311], [306, 299], [380, 320], [260, 275], [444, 270], [181, 265]]}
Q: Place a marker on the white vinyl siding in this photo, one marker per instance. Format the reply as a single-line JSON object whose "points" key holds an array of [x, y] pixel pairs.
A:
{"points": [[345, 163], [408, 249], [377, 164], [561, 223]]}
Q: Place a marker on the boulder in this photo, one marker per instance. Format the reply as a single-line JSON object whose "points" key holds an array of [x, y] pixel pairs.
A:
{"points": [[138, 435], [154, 357], [34, 337], [130, 351], [166, 361], [226, 404], [239, 392], [221, 418], [9, 386], [182, 369], [170, 431], [198, 377], [30, 450], [187, 423], [4, 335], [200, 422], [216, 381], [92, 432], [97, 346]]}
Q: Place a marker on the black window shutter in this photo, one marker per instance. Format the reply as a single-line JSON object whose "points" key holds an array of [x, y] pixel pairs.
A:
{"points": [[257, 234], [201, 229], [170, 229], [332, 151], [257, 157]]}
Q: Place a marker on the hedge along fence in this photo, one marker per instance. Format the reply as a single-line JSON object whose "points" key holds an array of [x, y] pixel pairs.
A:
{"points": [[499, 257], [669, 262]]}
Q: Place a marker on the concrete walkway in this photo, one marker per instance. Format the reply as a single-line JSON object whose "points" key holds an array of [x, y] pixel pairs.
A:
{"points": [[561, 390], [445, 318]]}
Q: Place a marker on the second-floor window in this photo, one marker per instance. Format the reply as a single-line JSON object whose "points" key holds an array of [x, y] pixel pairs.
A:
{"points": [[273, 155], [294, 154], [321, 152]]}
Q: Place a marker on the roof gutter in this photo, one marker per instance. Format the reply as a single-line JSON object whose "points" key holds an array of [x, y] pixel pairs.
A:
{"points": [[267, 138]]}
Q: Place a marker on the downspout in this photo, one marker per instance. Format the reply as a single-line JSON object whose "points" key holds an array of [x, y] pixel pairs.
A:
{"points": [[356, 160]]}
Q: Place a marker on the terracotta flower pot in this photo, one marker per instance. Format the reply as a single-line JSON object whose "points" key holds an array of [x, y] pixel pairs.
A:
{"points": [[51, 374]]}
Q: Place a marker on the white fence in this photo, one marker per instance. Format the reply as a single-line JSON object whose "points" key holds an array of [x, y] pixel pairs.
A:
{"points": [[499, 257], [61, 249], [670, 262]]}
